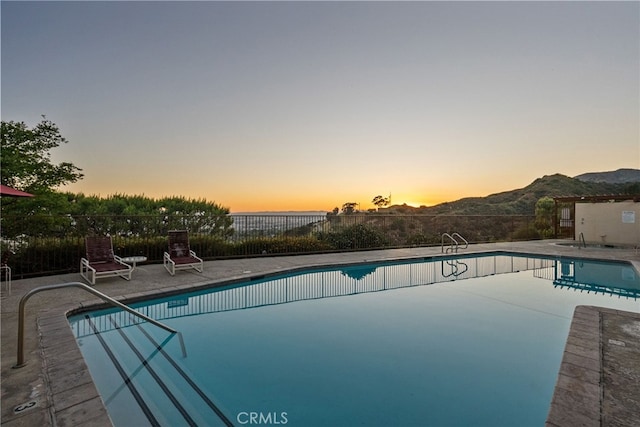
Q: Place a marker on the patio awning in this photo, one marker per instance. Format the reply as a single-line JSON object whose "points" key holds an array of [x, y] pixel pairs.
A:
{"points": [[12, 192]]}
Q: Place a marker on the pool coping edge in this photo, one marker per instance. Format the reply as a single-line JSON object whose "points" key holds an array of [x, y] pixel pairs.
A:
{"points": [[579, 394]]}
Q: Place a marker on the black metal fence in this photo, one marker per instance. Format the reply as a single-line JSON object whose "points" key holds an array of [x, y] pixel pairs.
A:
{"points": [[45, 245]]}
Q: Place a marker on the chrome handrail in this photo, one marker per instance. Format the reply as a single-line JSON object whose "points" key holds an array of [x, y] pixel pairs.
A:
{"points": [[20, 363], [466, 244], [581, 239], [454, 242]]}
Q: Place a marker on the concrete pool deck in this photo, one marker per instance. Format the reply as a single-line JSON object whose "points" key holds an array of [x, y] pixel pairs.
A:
{"points": [[598, 382]]}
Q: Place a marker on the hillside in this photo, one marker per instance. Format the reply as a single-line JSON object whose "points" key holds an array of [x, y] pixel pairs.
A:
{"points": [[619, 176], [522, 201]]}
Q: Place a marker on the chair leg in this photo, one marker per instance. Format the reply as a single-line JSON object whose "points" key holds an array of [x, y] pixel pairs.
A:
{"points": [[170, 267], [6, 272]]}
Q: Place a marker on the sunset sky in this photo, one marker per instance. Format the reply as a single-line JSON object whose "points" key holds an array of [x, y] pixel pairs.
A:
{"points": [[308, 105]]}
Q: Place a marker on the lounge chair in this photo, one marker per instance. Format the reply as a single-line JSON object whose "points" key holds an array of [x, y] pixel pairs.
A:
{"points": [[101, 261], [180, 255]]}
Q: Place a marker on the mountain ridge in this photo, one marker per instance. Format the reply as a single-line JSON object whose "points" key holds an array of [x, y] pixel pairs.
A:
{"points": [[522, 201], [619, 176]]}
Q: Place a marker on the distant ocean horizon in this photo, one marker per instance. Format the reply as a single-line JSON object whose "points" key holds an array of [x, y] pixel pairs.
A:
{"points": [[280, 213], [273, 222]]}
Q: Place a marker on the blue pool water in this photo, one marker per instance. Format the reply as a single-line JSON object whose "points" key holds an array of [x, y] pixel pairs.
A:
{"points": [[445, 342]]}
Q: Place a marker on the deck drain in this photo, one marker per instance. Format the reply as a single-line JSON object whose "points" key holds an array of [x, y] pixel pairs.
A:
{"points": [[616, 342], [25, 407]]}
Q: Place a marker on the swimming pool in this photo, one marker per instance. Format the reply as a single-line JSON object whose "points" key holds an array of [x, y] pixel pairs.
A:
{"points": [[453, 341]]}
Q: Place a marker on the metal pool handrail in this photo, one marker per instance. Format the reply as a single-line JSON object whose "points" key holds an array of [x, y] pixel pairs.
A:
{"points": [[454, 242], [581, 240], [23, 301], [466, 244]]}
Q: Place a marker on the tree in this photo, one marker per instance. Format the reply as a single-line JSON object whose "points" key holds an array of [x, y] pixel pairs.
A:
{"points": [[544, 217], [380, 201], [26, 165], [632, 188], [25, 161], [57, 214], [349, 207]]}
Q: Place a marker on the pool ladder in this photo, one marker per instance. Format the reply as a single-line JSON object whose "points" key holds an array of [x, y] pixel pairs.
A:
{"points": [[456, 240], [581, 241], [21, 312]]}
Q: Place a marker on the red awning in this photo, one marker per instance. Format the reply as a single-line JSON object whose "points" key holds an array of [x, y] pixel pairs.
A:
{"points": [[12, 192]]}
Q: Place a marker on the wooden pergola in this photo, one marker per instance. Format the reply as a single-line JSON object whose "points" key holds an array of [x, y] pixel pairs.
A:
{"points": [[564, 210]]}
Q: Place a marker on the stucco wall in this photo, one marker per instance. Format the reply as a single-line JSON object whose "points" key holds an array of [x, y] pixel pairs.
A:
{"points": [[609, 223]]}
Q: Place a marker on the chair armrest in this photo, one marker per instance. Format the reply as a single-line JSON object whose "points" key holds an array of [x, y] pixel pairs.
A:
{"points": [[85, 266], [120, 261]]}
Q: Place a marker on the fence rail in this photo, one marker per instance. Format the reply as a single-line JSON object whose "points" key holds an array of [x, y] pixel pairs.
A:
{"points": [[45, 245]]}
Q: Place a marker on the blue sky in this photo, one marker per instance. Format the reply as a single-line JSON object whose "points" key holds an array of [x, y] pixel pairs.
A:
{"points": [[307, 105]]}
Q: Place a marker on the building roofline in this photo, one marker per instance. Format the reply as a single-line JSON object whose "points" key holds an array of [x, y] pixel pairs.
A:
{"points": [[600, 198]]}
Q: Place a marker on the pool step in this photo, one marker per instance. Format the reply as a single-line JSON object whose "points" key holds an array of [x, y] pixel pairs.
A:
{"points": [[142, 364]]}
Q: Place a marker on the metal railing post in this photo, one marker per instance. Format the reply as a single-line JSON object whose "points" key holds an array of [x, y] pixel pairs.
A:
{"points": [[582, 241], [23, 301]]}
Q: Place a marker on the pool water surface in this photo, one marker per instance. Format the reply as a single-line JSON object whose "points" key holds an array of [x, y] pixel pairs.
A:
{"points": [[442, 342]]}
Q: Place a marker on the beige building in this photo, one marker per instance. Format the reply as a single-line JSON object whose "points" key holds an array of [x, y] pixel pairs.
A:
{"points": [[614, 223], [605, 220]]}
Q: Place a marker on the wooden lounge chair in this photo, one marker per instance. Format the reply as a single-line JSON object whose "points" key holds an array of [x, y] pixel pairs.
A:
{"points": [[101, 261], [180, 255]]}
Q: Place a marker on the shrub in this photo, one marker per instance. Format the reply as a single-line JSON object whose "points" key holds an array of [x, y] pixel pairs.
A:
{"points": [[280, 245], [359, 236]]}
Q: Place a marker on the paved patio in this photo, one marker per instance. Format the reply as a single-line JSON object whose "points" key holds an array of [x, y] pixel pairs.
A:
{"points": [[598, 383]]}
